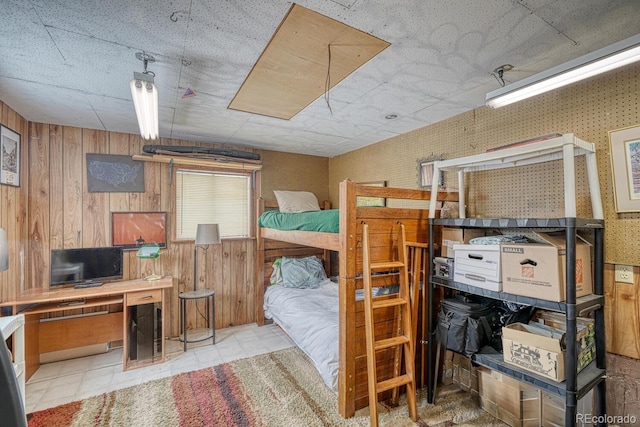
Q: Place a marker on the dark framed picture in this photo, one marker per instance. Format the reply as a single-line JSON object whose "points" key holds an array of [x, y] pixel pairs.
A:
{"points": [[9, 157], [131, 230], [114, 173]]}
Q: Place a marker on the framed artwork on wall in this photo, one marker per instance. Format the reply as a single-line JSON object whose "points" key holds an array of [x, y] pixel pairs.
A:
{"points": [[132, 230], [113, 173], [372, 201], [425, 174], [9, 157], [625, 167]]}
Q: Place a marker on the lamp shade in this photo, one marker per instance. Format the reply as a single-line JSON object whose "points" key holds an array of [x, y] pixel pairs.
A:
{"points": [[145, 101], [207, 234], [4, 251]]}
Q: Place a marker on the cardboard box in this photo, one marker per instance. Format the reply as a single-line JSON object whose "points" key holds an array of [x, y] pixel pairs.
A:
{"points": [[459, 370], [537, 270], [542, 355], [478, 265], [585, 334], [452, 236], [523, 405], [512, 401], [552, 410]]}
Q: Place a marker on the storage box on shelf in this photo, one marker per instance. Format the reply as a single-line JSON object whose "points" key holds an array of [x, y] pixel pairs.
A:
{"points": [[537, 270], [540, 347], [478, 265], [452, 236]]}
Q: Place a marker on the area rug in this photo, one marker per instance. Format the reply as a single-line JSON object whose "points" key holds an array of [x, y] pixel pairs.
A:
{"points": [[275, 389]]}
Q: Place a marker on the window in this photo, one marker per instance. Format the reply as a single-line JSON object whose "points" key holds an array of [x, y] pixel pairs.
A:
{"points": [[212, 198]]}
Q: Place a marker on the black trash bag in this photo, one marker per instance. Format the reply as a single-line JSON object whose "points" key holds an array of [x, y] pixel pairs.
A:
{"points": [[508, 313]]}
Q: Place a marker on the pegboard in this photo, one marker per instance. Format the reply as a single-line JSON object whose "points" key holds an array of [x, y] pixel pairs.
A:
{"points": [[589, 109]]}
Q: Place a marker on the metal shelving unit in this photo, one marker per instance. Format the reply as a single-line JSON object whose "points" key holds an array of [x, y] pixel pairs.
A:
{"points": [[576, 385], [565, 147]]}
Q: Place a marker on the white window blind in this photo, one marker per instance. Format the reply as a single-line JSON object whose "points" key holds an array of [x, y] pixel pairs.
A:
{"points": [[212, 198]]}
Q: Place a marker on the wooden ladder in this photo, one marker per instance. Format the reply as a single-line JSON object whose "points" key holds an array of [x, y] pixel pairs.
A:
{"points": [[403, 342]]}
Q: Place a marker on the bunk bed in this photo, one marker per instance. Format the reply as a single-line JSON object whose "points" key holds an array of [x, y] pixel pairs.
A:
{"points": [[412, 212]]}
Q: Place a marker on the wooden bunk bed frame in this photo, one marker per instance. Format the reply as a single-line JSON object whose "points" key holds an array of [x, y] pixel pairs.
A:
{"points": [[383, 228]]}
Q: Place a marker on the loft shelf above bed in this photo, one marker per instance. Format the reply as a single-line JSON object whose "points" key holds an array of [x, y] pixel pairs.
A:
{"points": [[564, 147]]}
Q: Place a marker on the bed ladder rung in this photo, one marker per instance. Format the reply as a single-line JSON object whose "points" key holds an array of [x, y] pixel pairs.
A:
{"points": [[389, 302], [402, 340], [391, 342], [388, 265], [392, 383]]}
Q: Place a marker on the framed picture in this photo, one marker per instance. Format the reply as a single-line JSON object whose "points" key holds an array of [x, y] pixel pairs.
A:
{"points": [[372, 201], [425, 174], [132, 230], [9, 157], [113, 173], [625, 166]]}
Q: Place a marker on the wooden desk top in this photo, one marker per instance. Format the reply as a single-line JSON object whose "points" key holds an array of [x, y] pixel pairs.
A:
{"points": [[39, 296]]}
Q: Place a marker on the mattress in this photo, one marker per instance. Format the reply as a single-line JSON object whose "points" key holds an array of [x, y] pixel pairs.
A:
{"points": [[327, 221], [310, 318]]}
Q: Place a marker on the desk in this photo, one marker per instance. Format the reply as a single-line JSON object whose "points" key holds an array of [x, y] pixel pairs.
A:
{"points": [[78, 331]]}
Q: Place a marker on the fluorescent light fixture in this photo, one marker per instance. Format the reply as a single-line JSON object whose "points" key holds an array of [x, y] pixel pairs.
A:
{"points": [[145, 99], [602, 60]]}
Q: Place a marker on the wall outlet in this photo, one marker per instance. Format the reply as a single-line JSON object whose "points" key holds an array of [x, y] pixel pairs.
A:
{"points": [[624, 273]]}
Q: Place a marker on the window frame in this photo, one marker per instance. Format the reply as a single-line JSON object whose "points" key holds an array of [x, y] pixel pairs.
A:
{"points": [[251, 175]]}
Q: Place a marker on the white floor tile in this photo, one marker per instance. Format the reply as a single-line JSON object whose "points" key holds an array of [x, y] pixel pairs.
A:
{"points": [[66, 381]]}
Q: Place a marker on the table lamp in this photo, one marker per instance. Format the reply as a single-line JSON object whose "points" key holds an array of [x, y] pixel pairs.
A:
{"points": [[206, 234], [150, 251], [4, 251]]}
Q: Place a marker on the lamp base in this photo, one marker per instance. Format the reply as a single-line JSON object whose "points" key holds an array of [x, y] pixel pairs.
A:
{"points": [[152, 277]]}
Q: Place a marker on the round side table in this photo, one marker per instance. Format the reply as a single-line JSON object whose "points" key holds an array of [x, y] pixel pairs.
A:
{"points": [[210, 330]]}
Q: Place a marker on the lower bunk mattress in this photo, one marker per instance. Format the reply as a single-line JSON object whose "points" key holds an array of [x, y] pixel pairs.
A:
{"points": [[310, 318]]}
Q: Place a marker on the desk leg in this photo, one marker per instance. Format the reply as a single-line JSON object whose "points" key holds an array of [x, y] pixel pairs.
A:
{"points": [[31, 344], [184, 323]]}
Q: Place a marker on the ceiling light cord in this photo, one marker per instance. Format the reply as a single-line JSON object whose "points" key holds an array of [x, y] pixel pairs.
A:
{"points": [[327, 83]]}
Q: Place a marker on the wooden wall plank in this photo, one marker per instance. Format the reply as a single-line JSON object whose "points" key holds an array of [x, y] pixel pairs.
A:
{"points": [[57, 215], [96, 218], [72, 189], [39, 212]]}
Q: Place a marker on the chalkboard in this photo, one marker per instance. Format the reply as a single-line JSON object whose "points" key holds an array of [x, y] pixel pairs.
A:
{"points": [[111, 173]]}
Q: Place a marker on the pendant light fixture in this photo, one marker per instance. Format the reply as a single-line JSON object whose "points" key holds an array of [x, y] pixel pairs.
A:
{"points": [[145, 98]]}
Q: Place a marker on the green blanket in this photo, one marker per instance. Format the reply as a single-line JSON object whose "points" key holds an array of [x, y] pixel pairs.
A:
{"points": [[326, 221]]}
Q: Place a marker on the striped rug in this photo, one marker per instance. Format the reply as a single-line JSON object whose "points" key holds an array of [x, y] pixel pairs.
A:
{"points": [[276, 389]]}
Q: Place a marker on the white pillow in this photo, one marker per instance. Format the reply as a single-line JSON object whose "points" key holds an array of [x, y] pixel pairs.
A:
{"points": [[296, 201]]}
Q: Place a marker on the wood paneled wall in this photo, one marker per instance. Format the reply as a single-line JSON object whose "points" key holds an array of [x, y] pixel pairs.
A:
{"points": [[13, 212], [53, 209]]}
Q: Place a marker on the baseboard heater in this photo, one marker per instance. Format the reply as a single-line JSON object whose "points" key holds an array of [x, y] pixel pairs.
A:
{"points": [[75, 352]]}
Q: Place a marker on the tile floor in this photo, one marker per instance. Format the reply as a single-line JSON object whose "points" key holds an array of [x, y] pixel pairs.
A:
{"points": [[69, 380]]}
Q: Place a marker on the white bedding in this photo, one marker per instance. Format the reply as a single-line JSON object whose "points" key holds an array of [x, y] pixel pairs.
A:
{"points": [[310, 318]]}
